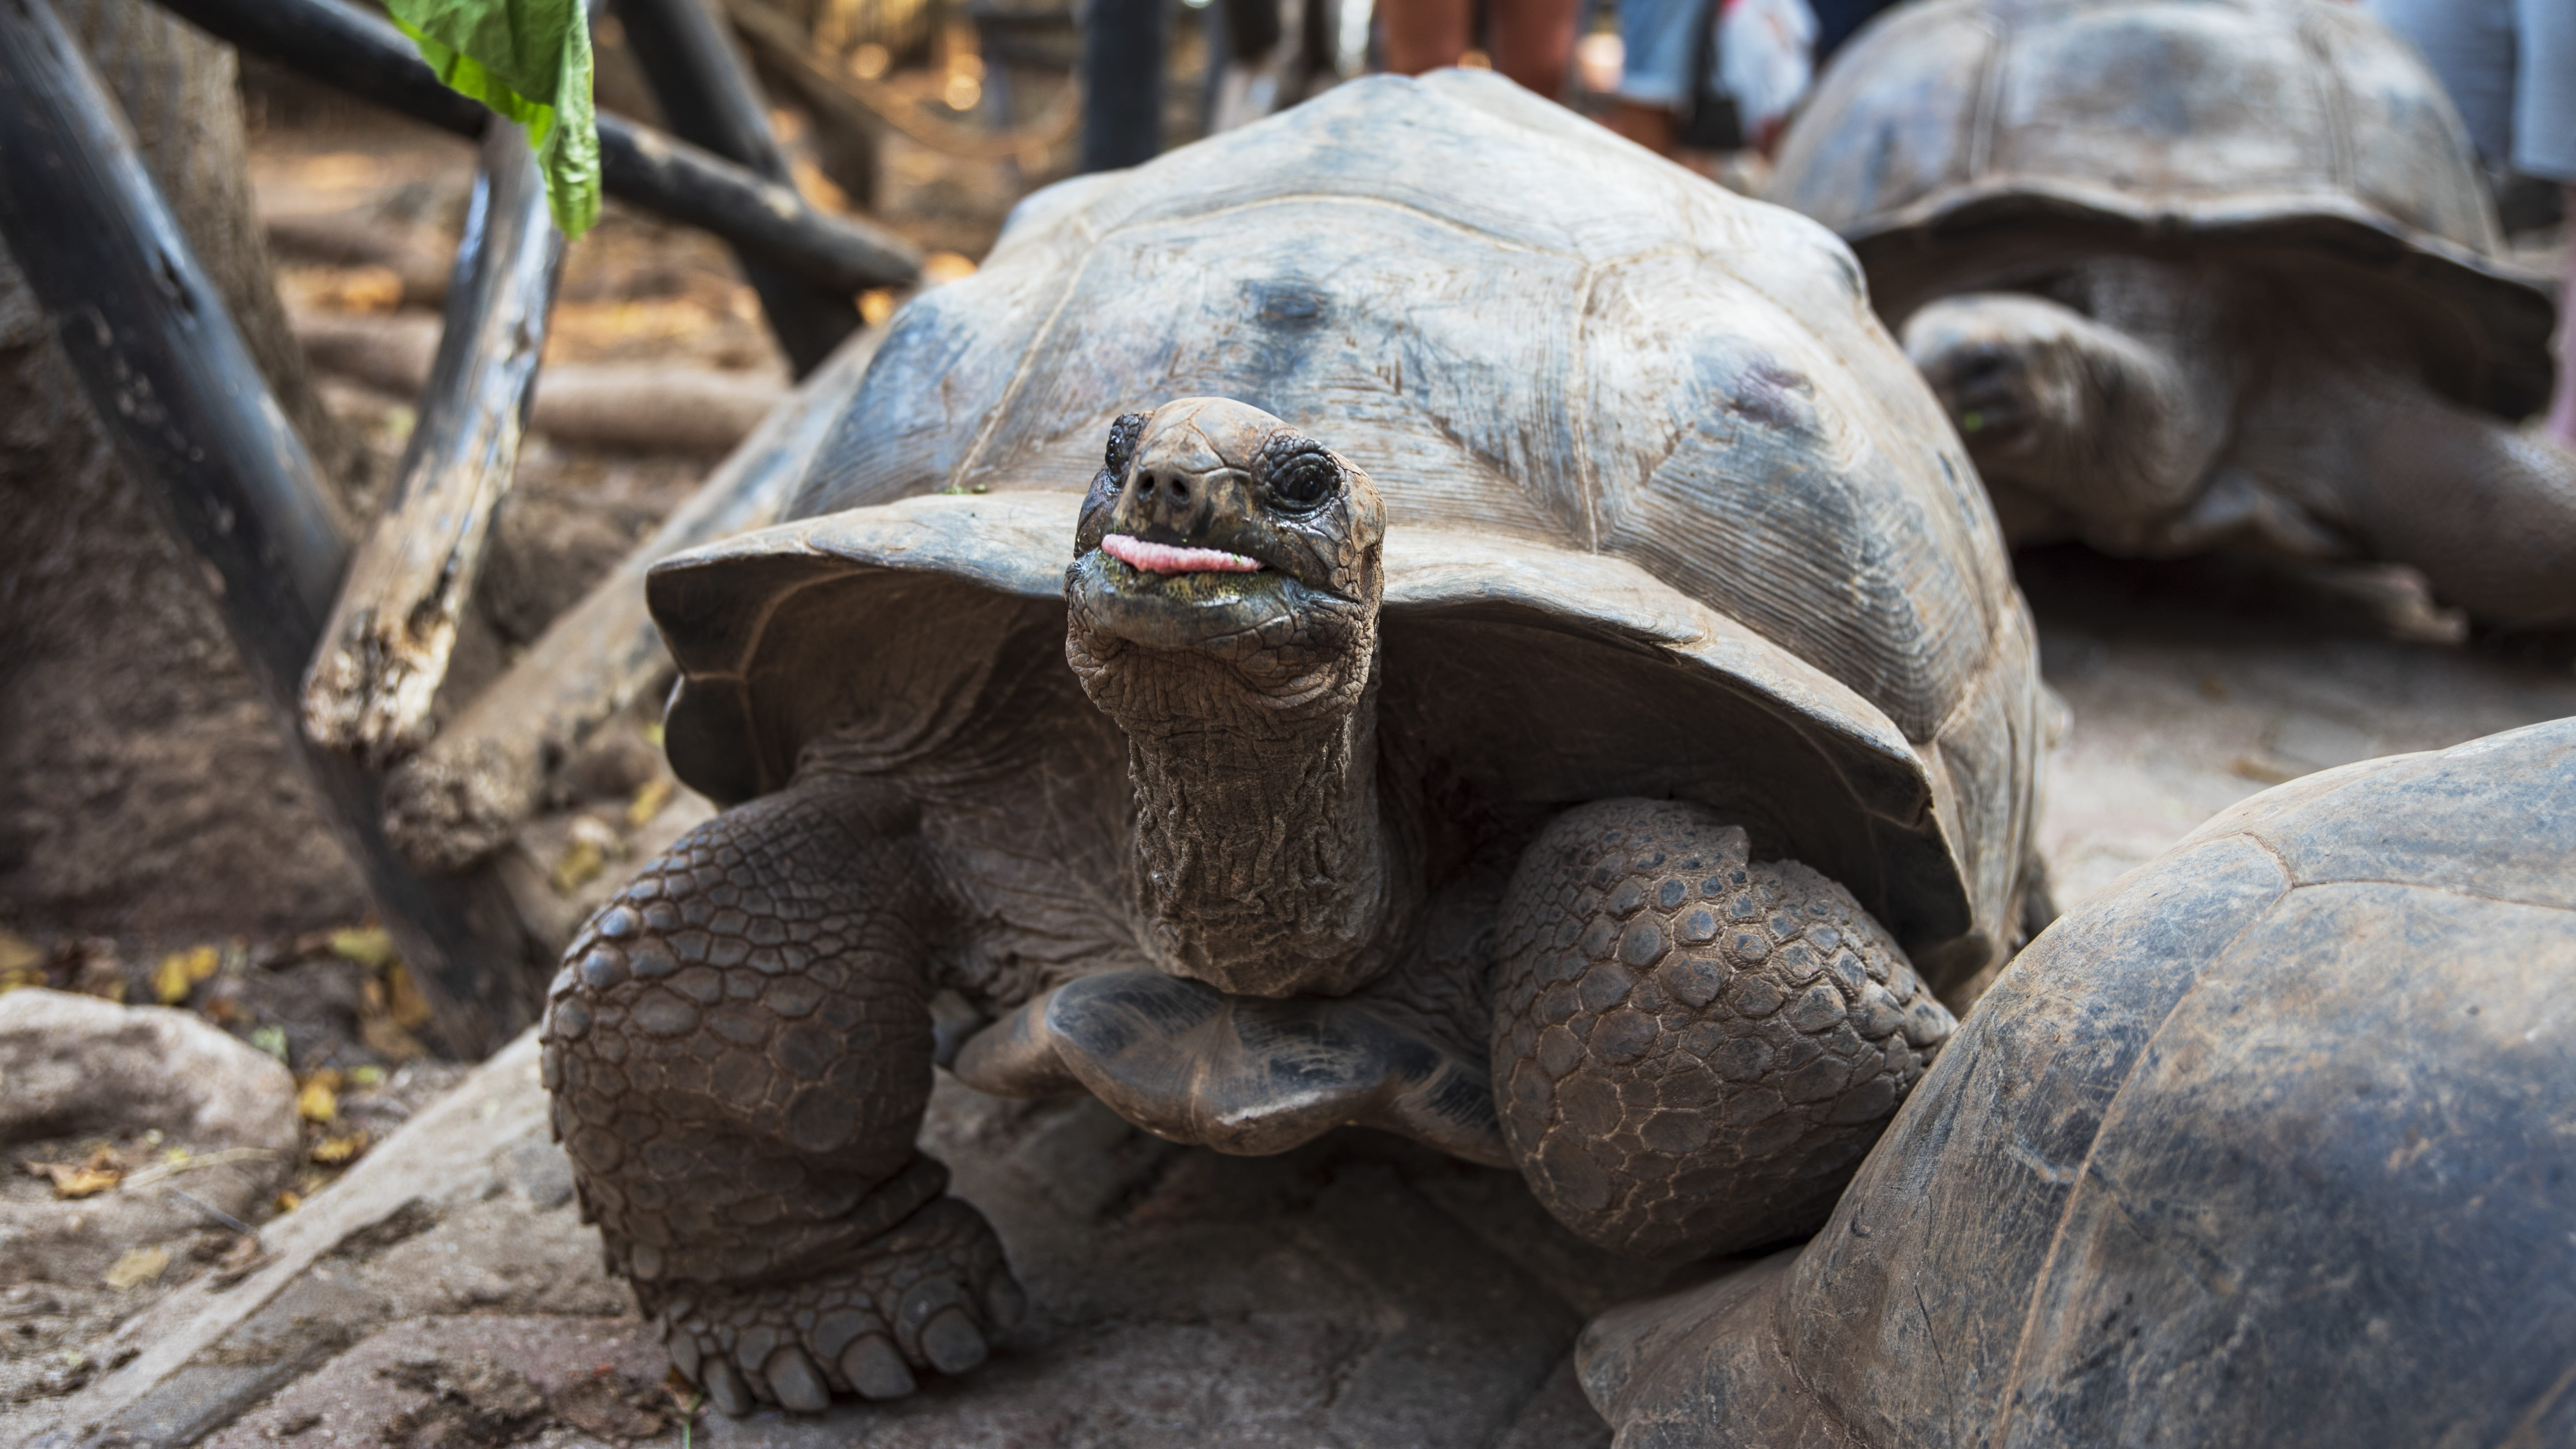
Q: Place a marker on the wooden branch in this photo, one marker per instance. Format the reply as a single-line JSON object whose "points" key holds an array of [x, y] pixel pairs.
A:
{"points": [[466, 795], [708, 97], [385, 651], [193, 424], [764, 219], [639, 407]]}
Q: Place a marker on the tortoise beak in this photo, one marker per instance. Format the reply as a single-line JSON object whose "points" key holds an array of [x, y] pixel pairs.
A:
{"points": [[1189, 494]]}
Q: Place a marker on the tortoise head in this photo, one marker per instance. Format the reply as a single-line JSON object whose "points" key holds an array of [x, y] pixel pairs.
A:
{"points": [[1222, 543]]}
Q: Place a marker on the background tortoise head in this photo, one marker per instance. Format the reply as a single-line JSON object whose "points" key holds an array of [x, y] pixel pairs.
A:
{"points": [[1216, 535]]}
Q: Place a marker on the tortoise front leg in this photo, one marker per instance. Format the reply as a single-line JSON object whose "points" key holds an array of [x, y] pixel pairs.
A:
{"points": [[739, 1047], [1691, 1051]]}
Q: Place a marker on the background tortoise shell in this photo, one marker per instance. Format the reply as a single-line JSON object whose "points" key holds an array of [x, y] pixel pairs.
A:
{"points": [[2271, 125]]}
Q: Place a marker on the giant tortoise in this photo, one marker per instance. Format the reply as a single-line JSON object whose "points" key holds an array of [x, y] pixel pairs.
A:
{"points": [[2203, 274], [1545, 635], [2274, 1145]]}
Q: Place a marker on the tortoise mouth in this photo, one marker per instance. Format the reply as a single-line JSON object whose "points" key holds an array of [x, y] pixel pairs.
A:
{"points": [[1164, 558], [1189, 601]]}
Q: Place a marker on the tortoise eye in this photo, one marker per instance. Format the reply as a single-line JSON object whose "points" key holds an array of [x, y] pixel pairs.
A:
{"points": [[1122, 447], [1304, 480]]}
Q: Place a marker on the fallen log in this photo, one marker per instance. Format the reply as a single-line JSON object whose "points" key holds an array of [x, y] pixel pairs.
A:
{"points": [[420, 257], [178, 395], [641, 407], [467, 793], [355, 52], [653, 407], [385, 651]]}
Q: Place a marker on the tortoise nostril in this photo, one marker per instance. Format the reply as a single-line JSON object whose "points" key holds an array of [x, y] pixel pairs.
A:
{"points": [[1145, 485], [1180, 491]]}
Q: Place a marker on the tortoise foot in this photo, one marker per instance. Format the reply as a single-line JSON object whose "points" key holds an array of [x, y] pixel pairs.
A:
{"points": [[930, 1294]]}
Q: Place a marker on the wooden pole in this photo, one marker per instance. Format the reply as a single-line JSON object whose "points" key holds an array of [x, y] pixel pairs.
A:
{"points": [[761, 218], [709, 98], [385, 651], [1123, 44], [467, 794]]}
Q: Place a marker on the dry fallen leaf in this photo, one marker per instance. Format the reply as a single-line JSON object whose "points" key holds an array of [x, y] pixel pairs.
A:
{"points": [[369, 946], [410, 1009], [288, 1199], [238, 1262], [77, 1179], [317, 1097], [137, 1266], [648, 802], [593, 846], [338, 1151], [180, 971]]}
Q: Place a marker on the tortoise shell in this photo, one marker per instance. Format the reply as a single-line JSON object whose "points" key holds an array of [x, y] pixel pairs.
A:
{"points": [[1669, 514], [2268, 1146], [2272, 125]]}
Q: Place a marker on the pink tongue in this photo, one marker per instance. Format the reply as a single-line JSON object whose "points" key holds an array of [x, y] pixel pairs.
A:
{"points": [[1165, 558]]}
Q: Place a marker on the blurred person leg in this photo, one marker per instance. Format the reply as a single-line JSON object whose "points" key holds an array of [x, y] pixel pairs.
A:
{"points": [[1422, 35], [2544, 145], [1655, 74], [1534, 42], [2470, 46]]}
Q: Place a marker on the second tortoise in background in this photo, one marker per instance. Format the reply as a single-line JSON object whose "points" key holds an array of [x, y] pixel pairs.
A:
{"points": [[2205, 275]]}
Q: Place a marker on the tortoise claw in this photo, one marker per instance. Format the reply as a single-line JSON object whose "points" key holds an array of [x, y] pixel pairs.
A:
{"points": [[793, 1379], [725, 1391], [874, 1368], [950, 1342]]}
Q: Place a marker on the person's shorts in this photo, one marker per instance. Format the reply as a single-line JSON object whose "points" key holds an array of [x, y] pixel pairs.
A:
{"points": [[2510, 66], [1658, 36]]}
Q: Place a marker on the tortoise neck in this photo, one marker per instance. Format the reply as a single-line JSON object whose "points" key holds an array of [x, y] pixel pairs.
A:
{"points": [[1263, 858]]}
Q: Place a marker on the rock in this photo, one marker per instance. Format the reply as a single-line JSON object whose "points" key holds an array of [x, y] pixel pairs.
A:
{"points": [[1359, 1292], [74, 1069]]}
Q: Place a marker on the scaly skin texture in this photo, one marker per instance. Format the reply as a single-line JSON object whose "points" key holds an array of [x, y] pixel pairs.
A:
{"points": [[739, 1049], [1693, 1051], [1266, 864]]}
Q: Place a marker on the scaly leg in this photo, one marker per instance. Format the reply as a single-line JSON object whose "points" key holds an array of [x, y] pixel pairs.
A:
{"points": [[1692, 1052], [2487, 510], [739, 1047]]}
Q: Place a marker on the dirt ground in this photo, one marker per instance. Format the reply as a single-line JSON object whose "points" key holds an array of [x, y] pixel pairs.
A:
{"points": [[482, 1318]]}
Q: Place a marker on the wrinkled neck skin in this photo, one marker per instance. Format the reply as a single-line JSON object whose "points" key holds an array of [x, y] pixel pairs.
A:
{"points": [[1265, 861]]}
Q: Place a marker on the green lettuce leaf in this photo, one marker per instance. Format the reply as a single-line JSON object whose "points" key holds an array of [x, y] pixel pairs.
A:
{"points": [[529, 60]]}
